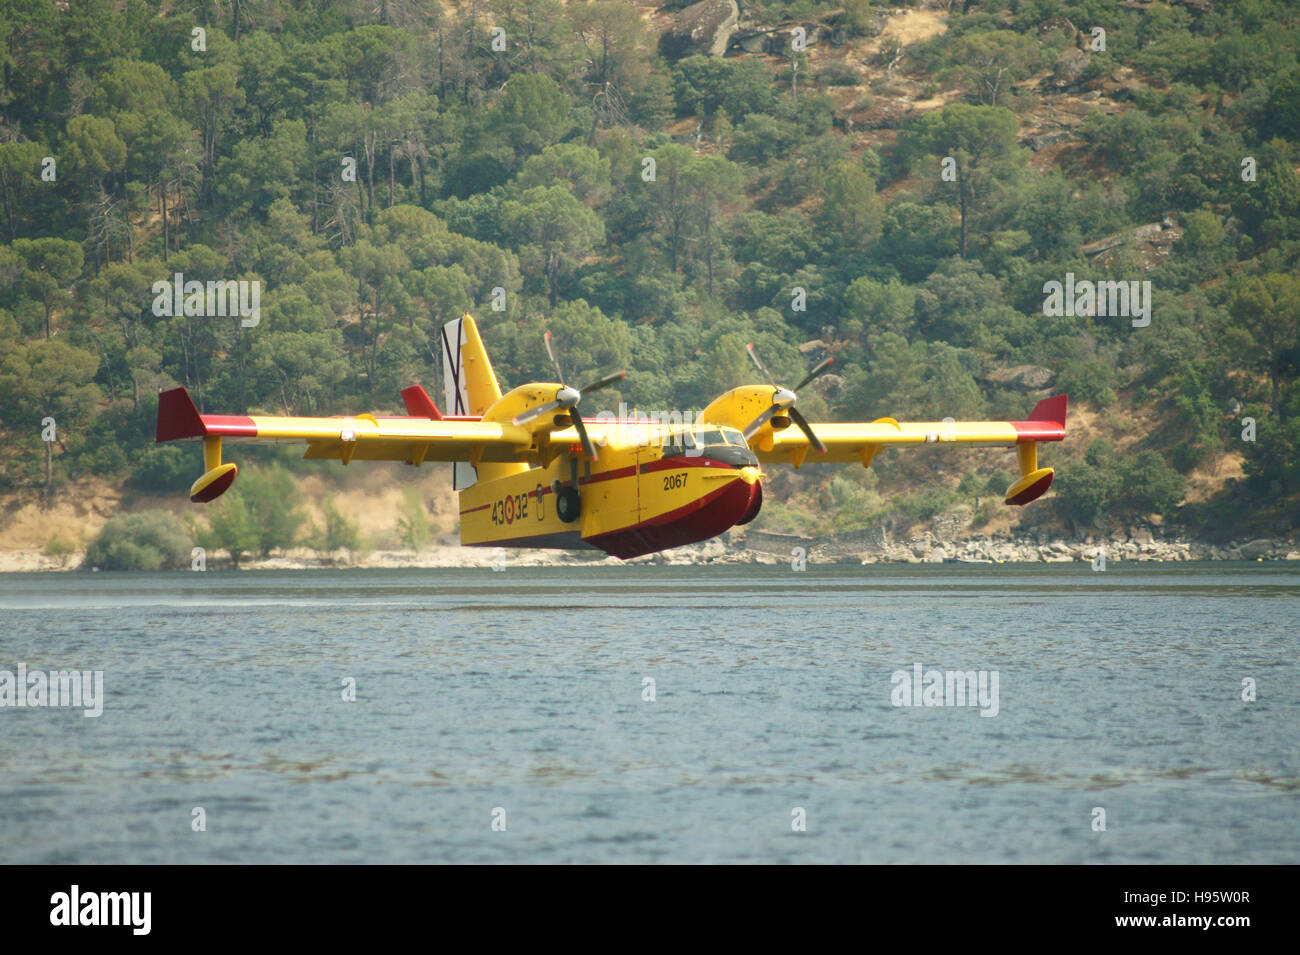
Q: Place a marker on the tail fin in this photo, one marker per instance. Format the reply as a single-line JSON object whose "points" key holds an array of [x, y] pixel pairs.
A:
{"points": [[470, 382], [471, 389]]}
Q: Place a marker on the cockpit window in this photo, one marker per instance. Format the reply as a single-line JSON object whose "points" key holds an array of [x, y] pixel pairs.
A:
{"points": [[677, 442]]}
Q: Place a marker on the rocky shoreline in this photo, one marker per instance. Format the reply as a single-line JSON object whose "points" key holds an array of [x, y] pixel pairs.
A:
{"points": [[1036, 547], [761, 547]]}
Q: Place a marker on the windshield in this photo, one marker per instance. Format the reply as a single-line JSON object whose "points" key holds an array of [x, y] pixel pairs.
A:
{"points": [[705, 437], [677, 441]]}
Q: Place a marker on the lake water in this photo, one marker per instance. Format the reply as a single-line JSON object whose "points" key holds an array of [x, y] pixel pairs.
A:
{"points": [[519, 696]]}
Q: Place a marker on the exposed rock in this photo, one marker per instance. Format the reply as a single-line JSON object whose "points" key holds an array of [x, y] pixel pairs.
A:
{"points": [[1042, 141], [1029, 377], [948, 526], [1256, 548], [1069, 67], [778, 544], [1152, 241], [755, 42], [1058, 25], [704, 27], [829, 385]]}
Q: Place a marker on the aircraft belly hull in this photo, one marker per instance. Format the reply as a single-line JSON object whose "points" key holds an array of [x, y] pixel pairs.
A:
{"points": [[627, 510], [697, 520]]}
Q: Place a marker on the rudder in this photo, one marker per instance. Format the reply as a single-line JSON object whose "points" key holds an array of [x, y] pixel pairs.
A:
{"points": [[471, 389]]}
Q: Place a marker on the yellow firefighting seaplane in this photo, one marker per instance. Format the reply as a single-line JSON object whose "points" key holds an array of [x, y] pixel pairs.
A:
{"points": [[532, 472]]}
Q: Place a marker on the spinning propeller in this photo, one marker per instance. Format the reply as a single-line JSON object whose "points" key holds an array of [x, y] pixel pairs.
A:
{"points": [[567, 398], [783, 400]]}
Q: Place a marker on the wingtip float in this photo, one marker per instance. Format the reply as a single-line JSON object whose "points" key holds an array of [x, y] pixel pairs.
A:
{"points": [[532, 472]]}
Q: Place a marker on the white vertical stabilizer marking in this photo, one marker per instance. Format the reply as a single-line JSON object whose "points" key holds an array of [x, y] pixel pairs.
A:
{"points": [[457, 394]]}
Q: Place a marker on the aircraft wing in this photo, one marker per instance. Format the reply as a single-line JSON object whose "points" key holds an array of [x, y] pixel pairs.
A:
{"points": [[862, 441], [365, 437]]}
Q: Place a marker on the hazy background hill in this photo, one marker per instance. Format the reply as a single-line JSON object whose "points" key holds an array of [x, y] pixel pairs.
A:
{"points": [[782, 177]]}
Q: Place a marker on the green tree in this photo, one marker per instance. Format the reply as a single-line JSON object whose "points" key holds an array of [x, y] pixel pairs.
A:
{"points": [[211, 95], [851, 213], [988, 63], [534, 112], [271, 500], [712, 185], [92, 151], [50, 266], [554, 230], [981, 141], [232, 527], [1268, 308], [49, 380], [20, 166]]}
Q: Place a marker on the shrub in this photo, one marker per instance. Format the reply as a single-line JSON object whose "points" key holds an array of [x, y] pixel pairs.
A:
{"points": [[149, 540], [60, 547], [339, 533], [413, 527], [838, 73]]}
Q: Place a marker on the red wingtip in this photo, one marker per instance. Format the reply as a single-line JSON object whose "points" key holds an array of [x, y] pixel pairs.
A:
{"points": [[177, 417], [419, 404]]}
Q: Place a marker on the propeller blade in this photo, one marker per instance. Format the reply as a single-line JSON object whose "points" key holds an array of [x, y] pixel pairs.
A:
{"points": [[603, 382], [802, 422], [752, 428], [536, 412], [753, 354], [588, 448], [554, 361], [814, 373]]}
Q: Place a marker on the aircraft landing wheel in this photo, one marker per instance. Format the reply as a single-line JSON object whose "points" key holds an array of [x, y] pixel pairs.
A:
{"points": [[568, 504]]}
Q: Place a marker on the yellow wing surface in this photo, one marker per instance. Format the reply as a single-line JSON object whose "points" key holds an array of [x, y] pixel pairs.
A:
{"points": [[776, 442], [423, 435]]}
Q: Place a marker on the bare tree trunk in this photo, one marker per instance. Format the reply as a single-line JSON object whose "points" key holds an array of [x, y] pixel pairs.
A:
{"points": [[963, 216]]}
